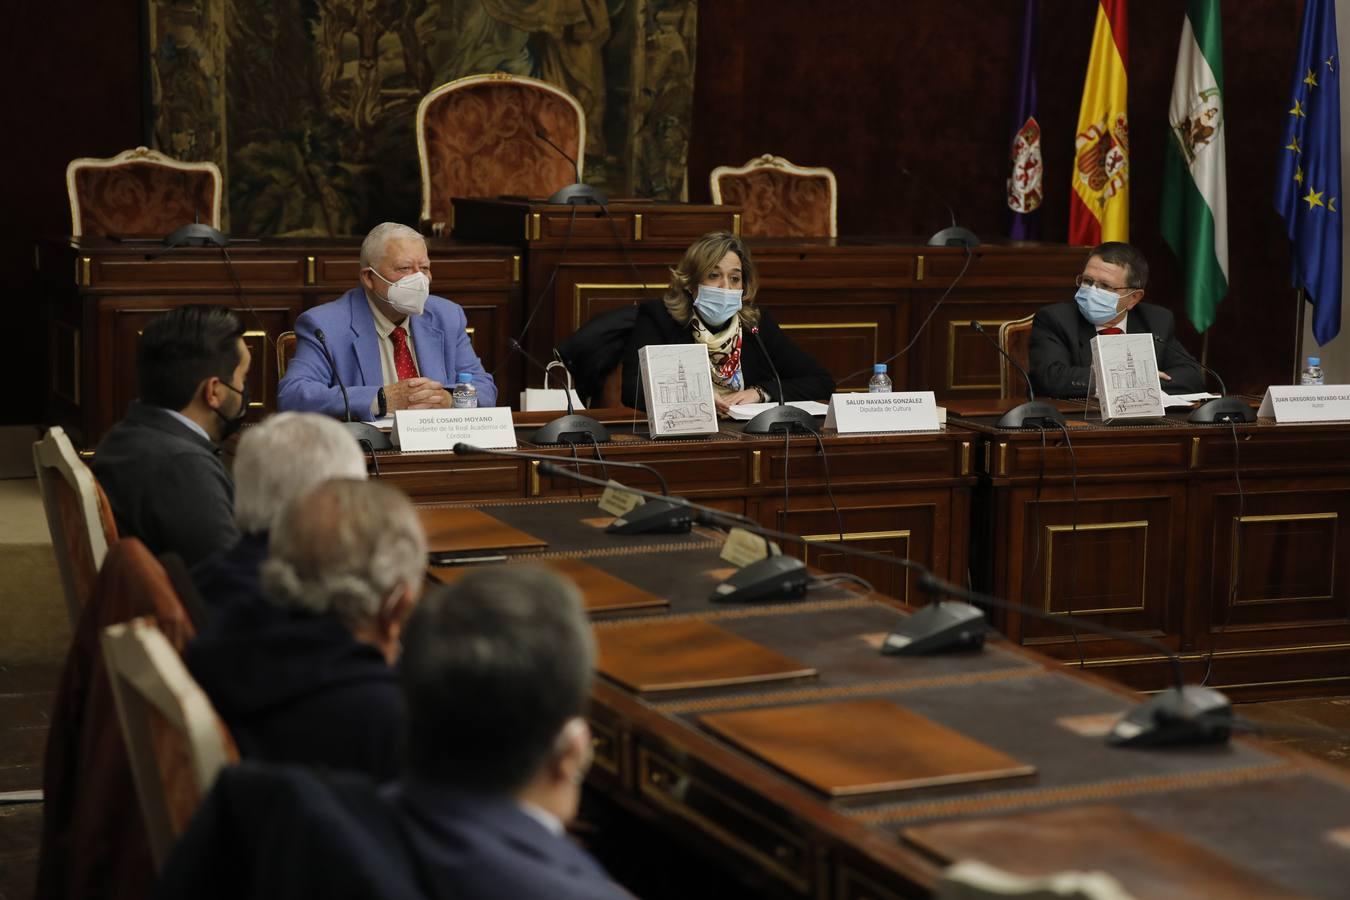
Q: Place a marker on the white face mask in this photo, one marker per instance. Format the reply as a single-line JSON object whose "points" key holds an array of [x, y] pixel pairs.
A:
{"points": [[717, 305], [408, 295]]}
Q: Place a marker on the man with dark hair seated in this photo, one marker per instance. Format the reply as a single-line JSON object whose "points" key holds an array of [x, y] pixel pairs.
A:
{"points": [[160, 466]]}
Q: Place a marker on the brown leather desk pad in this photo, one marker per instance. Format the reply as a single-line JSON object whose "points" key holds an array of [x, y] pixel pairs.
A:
{"points": [[670, 654], [1148, 861], [461, 529], [600, 591], [853, 747]]}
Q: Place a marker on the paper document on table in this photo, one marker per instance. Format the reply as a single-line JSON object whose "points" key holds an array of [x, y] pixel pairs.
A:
{"points": [[1187, 399], [744, 412], [384, 423]]}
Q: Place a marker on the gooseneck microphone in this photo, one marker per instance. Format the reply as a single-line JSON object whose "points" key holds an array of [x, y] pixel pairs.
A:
{"points": [[1032, 414], [782, 417], [1181, 714], [1222, 410], [578, 193], [568, 429], [658, 515], [366, 434]]}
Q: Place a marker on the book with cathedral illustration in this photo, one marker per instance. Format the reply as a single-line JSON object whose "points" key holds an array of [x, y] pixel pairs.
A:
{"points": [[1125, 370], [678, 391]]}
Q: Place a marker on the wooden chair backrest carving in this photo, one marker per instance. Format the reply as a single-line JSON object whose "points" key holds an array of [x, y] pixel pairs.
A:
{"points": [[78, 516], [476, 137], [778, 198], [141, 192], [176, 743], [285, 351], [1015, 339]]}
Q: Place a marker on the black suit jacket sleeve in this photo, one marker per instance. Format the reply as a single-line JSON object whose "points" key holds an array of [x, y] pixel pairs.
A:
{"points": [[803, 377], [1187, 376]]}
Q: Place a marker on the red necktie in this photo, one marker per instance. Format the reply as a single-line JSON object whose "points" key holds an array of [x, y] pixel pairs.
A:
{"points": [[404, 366], [1112, 330]]}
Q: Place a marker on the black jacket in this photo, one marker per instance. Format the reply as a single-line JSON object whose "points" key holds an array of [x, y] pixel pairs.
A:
{"points": [[803, 377], [166, 485], [232, 575], [299, 688], [1061, 351]]}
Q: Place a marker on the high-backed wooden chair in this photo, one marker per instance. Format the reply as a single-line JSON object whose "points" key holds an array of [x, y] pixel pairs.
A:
{"points": [[1015, 339], [141, 192], [78, 516], [479, 137], [777, 198], [285, 351], [175, 741]]}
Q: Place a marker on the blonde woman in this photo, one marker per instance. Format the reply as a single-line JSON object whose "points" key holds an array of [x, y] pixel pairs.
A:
{"points": [[711, 301]]}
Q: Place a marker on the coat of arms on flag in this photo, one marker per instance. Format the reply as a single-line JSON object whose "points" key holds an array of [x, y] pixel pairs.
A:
{"points": [[1024, 183], [1102, 158], [1196, 130]]}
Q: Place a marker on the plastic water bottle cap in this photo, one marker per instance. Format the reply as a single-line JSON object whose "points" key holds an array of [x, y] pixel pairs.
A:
{"points": [[465, 378], [1314, 360], [879, 369]]}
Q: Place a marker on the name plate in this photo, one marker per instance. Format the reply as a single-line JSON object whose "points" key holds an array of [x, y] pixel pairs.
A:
{"points": [[1306, 403], [617, 501], [898, 411], [441, 429], [744, 547]]}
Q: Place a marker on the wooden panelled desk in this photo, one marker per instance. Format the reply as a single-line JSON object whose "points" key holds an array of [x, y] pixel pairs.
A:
{"points": [[1203, 818], [1254, 569], [849, 301], [906, 495], [100, 293]]}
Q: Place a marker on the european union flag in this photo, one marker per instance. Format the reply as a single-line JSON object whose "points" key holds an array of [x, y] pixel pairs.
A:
{"points": [[1308, 186]]}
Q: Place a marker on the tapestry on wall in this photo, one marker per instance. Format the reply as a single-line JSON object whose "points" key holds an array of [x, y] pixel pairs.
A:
{"points": [[308, 106]]}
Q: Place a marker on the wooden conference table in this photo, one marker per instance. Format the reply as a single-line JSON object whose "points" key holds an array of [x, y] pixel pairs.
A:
{"points": [[777, 739]]}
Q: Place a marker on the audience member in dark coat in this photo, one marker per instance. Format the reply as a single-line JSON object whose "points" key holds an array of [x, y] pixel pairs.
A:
{"points": [[711, 300], [304, 675], [159, 466]]}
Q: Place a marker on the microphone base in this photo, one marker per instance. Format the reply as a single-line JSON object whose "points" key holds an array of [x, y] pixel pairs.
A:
{"points": [[579, 195], [781, 418], [955, 236], [367, 434], [1035, 413], [940, 626], [559, 429], [196, 234], [1176, 716], [1224, 409], [773, 578], [654, 517]]}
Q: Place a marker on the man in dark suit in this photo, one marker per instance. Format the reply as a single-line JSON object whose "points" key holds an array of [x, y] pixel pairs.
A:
{"points": [[1108, 302], [395, 346], [496, 671], [160, 466]]}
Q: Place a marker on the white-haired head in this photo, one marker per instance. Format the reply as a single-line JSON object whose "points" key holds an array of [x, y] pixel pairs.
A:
{"points": [[372, 248], [285, 456], [345, 547]]}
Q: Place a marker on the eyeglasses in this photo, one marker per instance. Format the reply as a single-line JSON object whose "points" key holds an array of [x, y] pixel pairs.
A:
{"points": [[1089, 281]]}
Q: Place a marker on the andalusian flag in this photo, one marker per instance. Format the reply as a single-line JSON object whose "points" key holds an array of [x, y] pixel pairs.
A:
{"points": [[1099, 209], [1195, 184]]}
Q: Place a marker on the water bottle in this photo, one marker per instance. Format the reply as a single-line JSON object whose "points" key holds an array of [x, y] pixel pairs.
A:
{"points": [[881, 382], [1312, 374], [465, 395]]}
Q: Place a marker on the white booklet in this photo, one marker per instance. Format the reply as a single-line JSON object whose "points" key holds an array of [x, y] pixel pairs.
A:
{"points": [[1125, 368], [677, 387]]}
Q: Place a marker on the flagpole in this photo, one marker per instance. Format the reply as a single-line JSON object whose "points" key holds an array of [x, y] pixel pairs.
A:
{"points": [[1204, 348], [1298, 336]]}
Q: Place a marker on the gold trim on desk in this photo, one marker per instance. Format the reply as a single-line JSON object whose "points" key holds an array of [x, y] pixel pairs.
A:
{"points": [[534, 478], [602, 286], [855, 536], [468, 332], [1003, 458], [965, 457], [1195, 451], [311, 276], [756, 466], [637, 226], [1234, 556], [515, 268], [83, 274], [874, 327], [1052, 530], [262, 370], [736, 224], [918, 267], [951, 355]]}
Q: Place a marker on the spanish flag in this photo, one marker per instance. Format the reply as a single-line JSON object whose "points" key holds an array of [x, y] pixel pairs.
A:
{"points": [[1099, 208]]}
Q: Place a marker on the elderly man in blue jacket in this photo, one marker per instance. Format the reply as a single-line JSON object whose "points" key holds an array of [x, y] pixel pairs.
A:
{"points": [[393, 344]]}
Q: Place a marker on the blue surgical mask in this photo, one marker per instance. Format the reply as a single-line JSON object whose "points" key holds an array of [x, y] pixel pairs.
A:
{"points": [[1097, 305], [716, 305]]}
